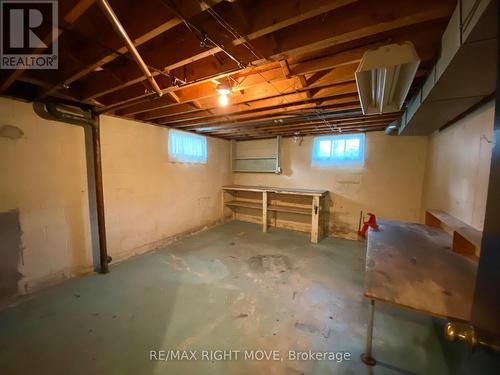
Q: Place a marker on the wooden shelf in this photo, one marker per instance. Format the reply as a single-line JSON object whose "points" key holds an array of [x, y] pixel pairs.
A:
{"points": [[255, 170], [256, 163], [471, 234], [290, 209], [268, 204], [466, 239], [236, 203], [253, 157], [277, 190], [277, 208]]}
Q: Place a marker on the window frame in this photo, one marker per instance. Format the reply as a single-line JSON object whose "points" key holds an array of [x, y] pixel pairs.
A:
{"points": [[183, 157], [332, 159]]}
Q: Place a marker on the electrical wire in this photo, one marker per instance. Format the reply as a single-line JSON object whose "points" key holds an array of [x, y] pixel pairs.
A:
{"points": [[234, 33], [252, 49], [202, 36]]}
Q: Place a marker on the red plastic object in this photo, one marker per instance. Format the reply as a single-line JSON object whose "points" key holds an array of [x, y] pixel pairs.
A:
{"points": [[370, 223]]}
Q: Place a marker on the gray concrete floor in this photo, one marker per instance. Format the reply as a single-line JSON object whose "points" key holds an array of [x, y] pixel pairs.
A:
{"points": [[229, 288]]}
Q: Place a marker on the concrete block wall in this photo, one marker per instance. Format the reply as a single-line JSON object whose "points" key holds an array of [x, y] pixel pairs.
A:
{"points": [[389, 183], [458, 167], [44, 204], [45, 233]]}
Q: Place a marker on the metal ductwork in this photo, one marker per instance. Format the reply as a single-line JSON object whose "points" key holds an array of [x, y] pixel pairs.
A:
{"points": [[464, 74], [384, 77]]}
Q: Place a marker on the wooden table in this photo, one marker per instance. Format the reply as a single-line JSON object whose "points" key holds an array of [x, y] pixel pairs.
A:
{"points": [[315, 209], [413, 266]]}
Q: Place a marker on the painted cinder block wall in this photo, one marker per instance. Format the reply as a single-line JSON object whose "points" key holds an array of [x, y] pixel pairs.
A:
{"points": [[44, 205], [149, 199], [458, 167], [389, 183]]}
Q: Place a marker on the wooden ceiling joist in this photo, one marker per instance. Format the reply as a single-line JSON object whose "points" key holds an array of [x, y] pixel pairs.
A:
{"points": [[313, 40], [303, 122], [286, 14], [290, 64]]}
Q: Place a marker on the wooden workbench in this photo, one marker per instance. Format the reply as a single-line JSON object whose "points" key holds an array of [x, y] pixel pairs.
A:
{"points": [[413, 266], [265, 201]]}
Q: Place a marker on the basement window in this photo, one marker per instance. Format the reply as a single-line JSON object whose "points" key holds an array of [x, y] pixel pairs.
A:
{"points": [[339, 149], [187, 148]]}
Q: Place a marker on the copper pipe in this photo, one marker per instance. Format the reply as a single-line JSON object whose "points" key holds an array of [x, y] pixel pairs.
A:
{"points": [[111, 16]]}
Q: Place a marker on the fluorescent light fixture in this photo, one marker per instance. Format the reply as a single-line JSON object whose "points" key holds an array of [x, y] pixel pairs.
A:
{"points": [[384, 77]]}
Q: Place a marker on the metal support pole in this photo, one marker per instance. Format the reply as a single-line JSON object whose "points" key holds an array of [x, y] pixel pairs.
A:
{"points": [[366, 357]]}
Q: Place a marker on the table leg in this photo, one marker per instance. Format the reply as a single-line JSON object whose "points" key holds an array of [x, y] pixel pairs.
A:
{"points": [[264, 211], [366, 357], [315, 220]]}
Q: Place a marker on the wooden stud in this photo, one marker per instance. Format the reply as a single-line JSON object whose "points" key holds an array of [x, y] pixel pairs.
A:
{"points": [[315, 220], [264, 211]]}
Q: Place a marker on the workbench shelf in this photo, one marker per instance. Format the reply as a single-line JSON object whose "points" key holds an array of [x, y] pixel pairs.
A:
{"points": [[278, 208], [254, 157], [272, 203], [291, 209], [237, 203]]}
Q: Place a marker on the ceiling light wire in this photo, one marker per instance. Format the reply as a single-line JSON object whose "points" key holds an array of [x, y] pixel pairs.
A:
{"points": [[252, 49], [202, 35]]}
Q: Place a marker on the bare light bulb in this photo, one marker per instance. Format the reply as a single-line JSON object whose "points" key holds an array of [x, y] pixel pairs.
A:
{"points": [[223, 100]]}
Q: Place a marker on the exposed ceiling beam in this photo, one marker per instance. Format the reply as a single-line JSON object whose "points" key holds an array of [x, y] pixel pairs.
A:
{"points": [[251, 101], [302, 129], [341, 93], [149, 35], [332, 119], [246, 83], [434, 11], [341, 102], [275, 16], [304, 132]]}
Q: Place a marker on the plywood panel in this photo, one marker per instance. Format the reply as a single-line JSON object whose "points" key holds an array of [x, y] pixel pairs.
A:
{"points": [[412, 265]]}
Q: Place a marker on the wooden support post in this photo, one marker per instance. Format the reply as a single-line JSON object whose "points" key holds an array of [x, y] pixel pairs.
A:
{"points": [[264, 211], [315, 220], [224, 208], [96, 142]]}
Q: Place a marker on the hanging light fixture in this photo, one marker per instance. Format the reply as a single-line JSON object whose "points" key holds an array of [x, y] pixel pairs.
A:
{"points": [[384, 77], [223, 100], [224, 91]]}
